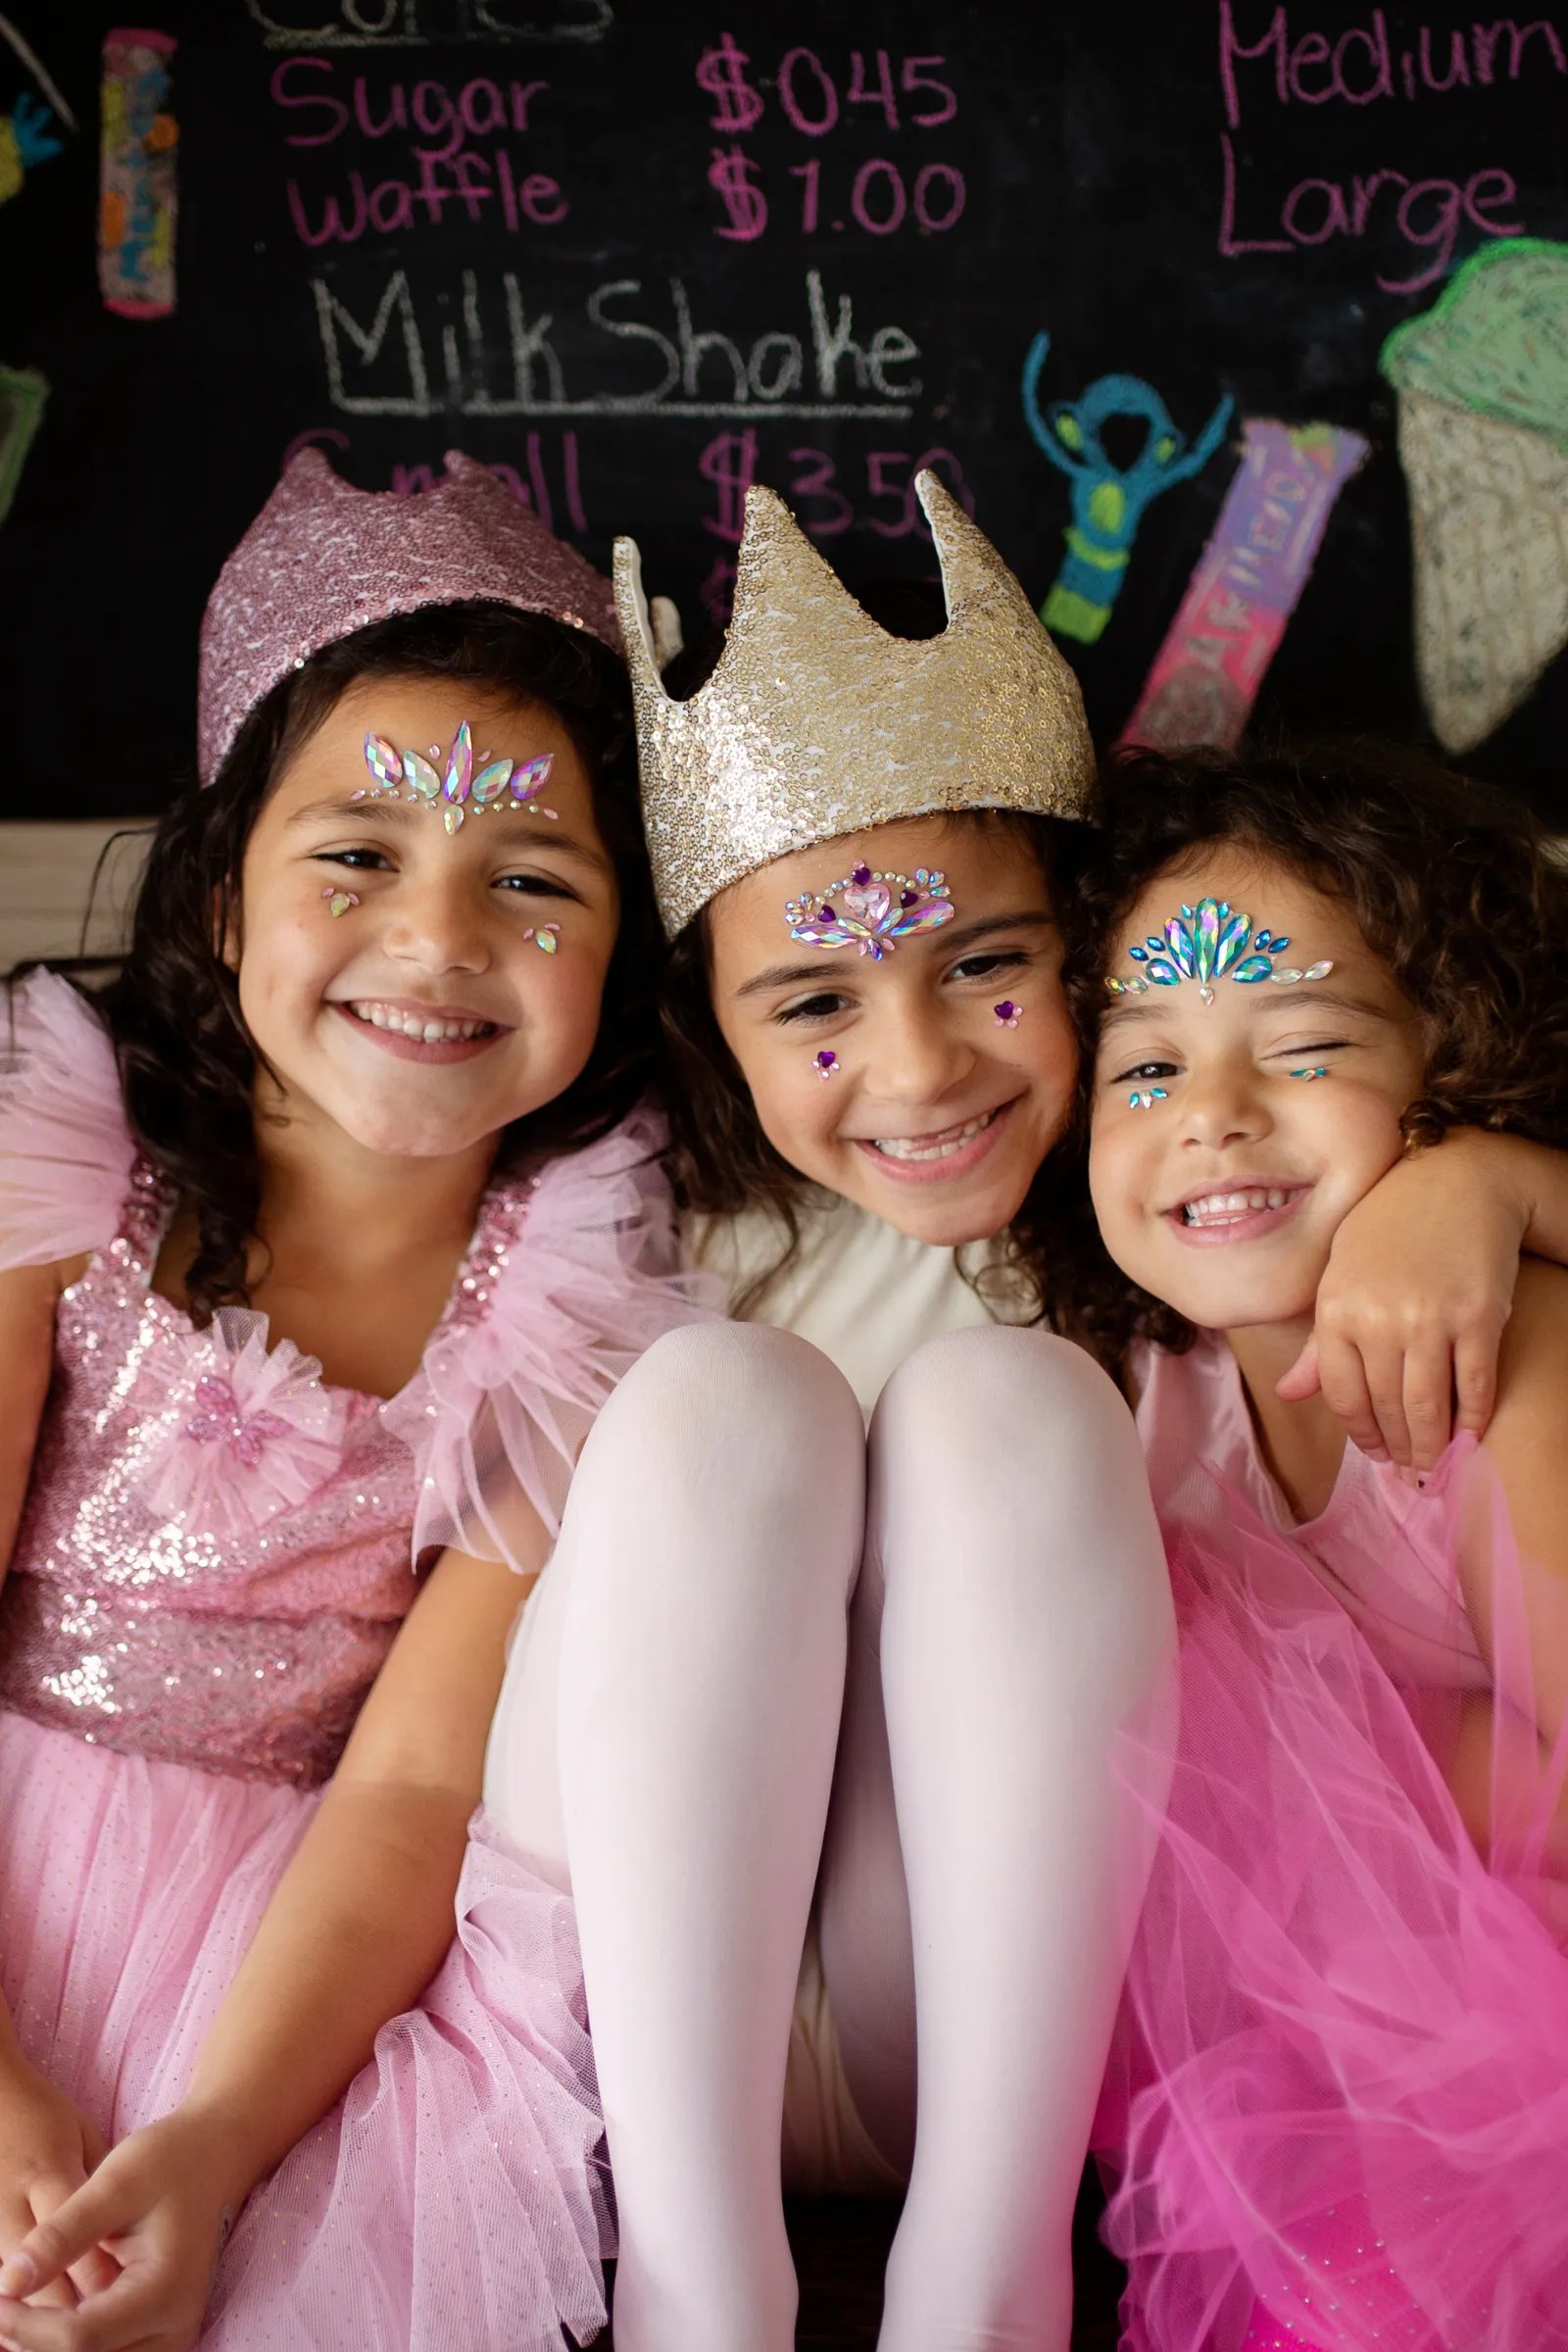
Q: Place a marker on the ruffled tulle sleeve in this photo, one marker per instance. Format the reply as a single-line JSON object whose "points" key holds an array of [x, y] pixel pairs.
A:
{"points": [[66, 1153], [585, 1274]]}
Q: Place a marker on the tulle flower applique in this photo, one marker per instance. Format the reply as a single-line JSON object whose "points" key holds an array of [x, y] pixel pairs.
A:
{"points": [[254, 1432]]}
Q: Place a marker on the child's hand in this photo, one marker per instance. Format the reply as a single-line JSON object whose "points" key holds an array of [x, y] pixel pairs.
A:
{"points": [[47, 2149], [1412, 1309], [154, 2216]]}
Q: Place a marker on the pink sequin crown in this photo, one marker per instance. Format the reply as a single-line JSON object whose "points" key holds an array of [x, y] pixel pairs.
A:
{"points": [[323, 558]]}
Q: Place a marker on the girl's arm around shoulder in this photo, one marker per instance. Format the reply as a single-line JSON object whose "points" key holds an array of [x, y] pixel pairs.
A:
{"points": [[360, 1922], [1419, 1287]]}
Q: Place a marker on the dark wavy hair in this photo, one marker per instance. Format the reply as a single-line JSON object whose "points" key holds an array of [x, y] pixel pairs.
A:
{"points": [[1454, 886], [187, 1062]]}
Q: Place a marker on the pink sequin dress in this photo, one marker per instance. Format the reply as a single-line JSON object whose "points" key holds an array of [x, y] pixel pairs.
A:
{"points": [[215, 1552], [1338, 2107]]}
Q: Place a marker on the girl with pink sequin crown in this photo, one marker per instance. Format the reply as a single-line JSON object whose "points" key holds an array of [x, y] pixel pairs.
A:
{"points": [[1339, 2107], [327, 1228], [889, 1706]]}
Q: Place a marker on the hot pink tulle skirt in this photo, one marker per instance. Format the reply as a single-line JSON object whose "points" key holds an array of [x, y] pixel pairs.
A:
{"points": [[1337, 2114], [453, 2197]]}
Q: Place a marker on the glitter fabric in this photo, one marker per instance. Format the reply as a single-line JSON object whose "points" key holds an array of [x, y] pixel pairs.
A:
{"points": [[817, 723], [246, 1654], [323, 558]]}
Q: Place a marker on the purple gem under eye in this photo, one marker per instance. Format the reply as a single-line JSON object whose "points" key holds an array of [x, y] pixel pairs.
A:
{"points": [[828, 916], [861, 876], [908, 898], [826, 1061]]}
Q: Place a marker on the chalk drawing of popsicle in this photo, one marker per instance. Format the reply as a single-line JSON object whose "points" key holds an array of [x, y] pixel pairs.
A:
{"points": [[1108, 501], [137, 196], [1482, 384]]}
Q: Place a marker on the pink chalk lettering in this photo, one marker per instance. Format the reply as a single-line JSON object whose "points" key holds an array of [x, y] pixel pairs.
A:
{"points": [[812, 126], [282, 95], [542, 200], [1231, 49], [1311, 50], [310, 439], [1376, 45], [434, 114], [1458, 72], [536, 480], [811, 175], [860, 95], [334, 227], [913, 80], [397, 113], [392, 207], [729, 462], [409, 479], [494, 108], [1505, 193], [878, 486], [520, 93], [472, 192], [1362, 192], [817, 482], [731, 172], [1487, 38], [894, 199], [1447, 206], [1230, 244], [1335, 221], [509, 190], [570, 468], [931, 177]]}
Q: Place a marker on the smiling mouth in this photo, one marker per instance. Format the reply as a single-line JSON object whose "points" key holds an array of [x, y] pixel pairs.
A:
{"points": [[1210, 1213], [424, 1028], [941, 1146]]}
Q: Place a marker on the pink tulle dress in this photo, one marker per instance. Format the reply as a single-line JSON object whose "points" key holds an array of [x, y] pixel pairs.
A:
{"points": [[1337, 2113], [215, 1552]]}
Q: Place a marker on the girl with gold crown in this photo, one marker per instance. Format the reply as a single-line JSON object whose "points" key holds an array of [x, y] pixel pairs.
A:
{"points": [[860, 1737]]}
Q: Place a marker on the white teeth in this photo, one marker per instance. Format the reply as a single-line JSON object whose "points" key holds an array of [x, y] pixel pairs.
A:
{"points": [[899, 1146], [412, 1025], [1215, 1208]]}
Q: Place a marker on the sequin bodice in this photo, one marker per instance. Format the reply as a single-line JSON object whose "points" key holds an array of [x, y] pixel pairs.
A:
{"points": [[244, 1652]]}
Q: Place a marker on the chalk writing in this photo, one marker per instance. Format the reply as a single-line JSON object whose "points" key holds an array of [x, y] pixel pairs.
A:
{"points": [[136, 205], [382, 366], [1360, 68], [23, 394], [721, 72], [1108, 501], [396, 23], [878, 200], [732, 173], [1246, 585]]}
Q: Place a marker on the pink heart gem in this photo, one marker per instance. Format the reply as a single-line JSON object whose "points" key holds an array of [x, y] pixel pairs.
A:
{"points": [[871, 905]]}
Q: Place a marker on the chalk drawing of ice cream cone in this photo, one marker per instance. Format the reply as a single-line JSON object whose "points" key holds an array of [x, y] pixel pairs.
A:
{"points": [[1482, 386]]}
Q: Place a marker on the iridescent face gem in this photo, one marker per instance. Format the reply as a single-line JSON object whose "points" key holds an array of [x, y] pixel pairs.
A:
{"points": [[826, 1063], [1205, 942], [1008, 1014], [1320, 1072], [871, 911], [458, 792], [547, 937], [339, 900], [1145, 1098]]}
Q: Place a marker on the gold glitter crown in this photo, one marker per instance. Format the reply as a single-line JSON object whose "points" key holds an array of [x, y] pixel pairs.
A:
{"points": [[817, 722]]}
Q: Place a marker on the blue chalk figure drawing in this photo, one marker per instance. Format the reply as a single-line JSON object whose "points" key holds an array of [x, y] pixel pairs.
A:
{"points": [[1107, 501], [24, 142]]}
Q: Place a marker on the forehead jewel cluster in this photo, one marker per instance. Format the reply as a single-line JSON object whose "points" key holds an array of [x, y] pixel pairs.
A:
{"points": [[459, 792], [862, 911], [1206, 942]]}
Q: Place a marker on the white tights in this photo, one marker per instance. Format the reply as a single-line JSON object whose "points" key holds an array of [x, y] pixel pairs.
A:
{"points": [[680, 1742]]}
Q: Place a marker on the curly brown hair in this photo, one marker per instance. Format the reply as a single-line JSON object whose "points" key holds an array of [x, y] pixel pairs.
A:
{"points": [[1454, 886], [187, 1062]]}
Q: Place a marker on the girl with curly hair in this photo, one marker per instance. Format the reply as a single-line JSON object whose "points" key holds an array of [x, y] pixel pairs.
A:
{"points": [[1338, 2107], [326, 1231]]}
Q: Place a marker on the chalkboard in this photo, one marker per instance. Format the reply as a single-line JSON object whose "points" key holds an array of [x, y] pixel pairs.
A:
{"points": [[638, 252]]}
